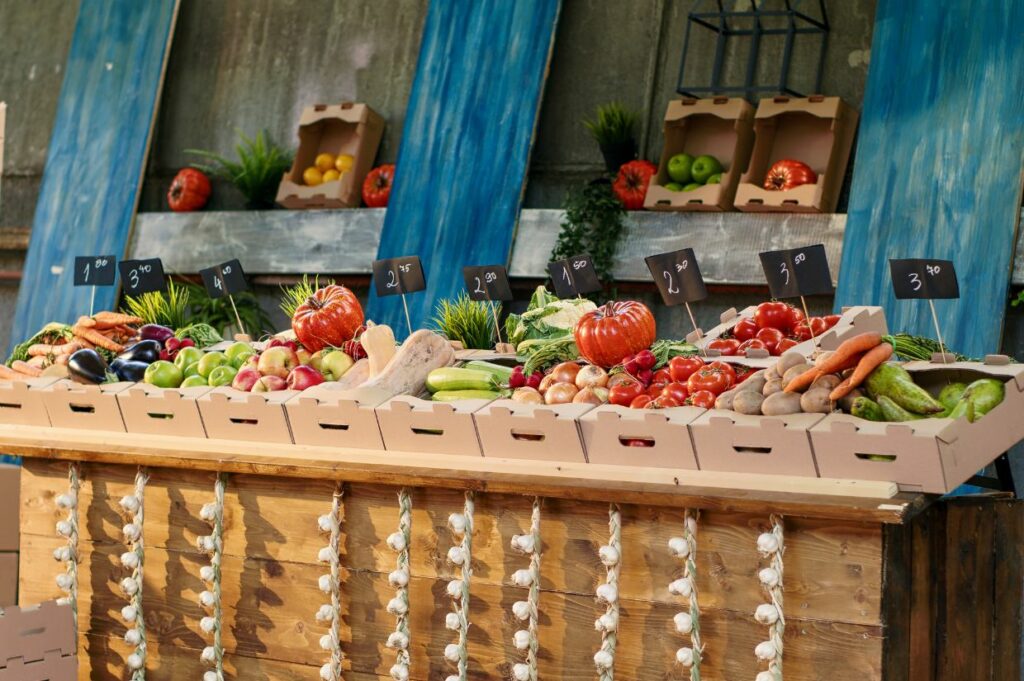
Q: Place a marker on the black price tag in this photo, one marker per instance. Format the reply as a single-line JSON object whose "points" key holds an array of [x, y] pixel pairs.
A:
{"points": [[95, 270], [574, 276], [225, 279], [395, 276], [924, 278], [487, 282], [677, 276], [797, 272], [142, 276]]}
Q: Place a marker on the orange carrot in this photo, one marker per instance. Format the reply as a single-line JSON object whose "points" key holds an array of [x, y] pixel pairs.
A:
{"points": [[10, 374], [868, 363], [26, 368], [847, 349]]}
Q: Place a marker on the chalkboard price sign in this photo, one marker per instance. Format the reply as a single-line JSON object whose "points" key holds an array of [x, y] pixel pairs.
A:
{"points": [[797, 272], [142, 276], [95, 270], [924, 278], [225, 279], [574, 276], [677, 276], [398, 276], [487, 282]]}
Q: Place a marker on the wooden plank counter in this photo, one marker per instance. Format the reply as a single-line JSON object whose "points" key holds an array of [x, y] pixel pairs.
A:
{"points": [[863, 562]]}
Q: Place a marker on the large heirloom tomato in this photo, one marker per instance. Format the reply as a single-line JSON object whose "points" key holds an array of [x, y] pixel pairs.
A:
{"points": [[787, 174], [613, 331], [630, 185], [189, 190], [329, 317]]}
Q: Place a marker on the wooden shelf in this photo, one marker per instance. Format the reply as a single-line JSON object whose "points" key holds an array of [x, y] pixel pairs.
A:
{"points": [[838, 499]]}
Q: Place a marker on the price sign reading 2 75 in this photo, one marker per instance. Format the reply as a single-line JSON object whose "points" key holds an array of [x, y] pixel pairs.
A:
{"points": [[397, 276]]}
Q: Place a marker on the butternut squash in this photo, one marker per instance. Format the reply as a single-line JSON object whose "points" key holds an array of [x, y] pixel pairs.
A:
{"points": [[358, 374], [406, 373], [379, 343]]}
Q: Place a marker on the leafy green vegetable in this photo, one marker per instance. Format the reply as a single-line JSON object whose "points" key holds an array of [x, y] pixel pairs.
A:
{"points": [[203, 335], [49, 334], [664, 350], [546, 317], [168, 308], [919, 347], [540, 354], [471, 322], [593, 223]]}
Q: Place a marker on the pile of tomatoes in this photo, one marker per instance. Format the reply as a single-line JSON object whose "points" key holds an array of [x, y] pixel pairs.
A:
{"points": [[775, 327], [684, 381]]}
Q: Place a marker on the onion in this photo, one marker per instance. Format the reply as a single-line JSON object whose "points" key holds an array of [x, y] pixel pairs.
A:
{"points": [[591, 376], [527, 396], [560, 393], [591, 395], [565, 372], [546, 383]]}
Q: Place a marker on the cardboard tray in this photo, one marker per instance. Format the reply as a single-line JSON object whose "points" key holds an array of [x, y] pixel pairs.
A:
{"points": [[609, 429], [21, 402], [511, 430], [329, 417], [38, 643], [10, 506], [346, 128], [410, 424], [766, 445], [8, 579], [150, 410], [816, 130], [230, 414], [931, 455], [722, 127], [91, 407]]}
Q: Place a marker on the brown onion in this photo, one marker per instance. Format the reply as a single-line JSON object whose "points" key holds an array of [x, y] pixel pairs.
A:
{"points": [[565, 372], [527, 395], [560, 393], [591, 395], [546, 383], [591, 376]]}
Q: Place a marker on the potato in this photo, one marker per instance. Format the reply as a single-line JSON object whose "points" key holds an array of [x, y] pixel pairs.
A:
{"points": [[748, 402], [793, 372], [772, 373], [815, 401], [755, 382], [772, 386], [787, 361], [780, 404], [847, 402], [829, 381], [724, 401]]}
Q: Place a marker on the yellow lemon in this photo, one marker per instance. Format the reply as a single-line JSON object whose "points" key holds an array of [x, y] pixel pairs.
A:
{"points": [[324, 162], [312, 176], [344, 163], [331, 175]]}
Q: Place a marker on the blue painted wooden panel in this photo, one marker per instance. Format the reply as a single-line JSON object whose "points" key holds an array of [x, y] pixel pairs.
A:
{"points": [[96, 155], [939, 162], [466, 143]]}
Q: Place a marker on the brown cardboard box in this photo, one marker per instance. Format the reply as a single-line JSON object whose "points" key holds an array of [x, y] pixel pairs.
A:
{"points": [[10, 506], [816, 130], [931, 455], [609, 430], [410, 424], [328, 417], [512, 430], [347, 128], [37, 643], [151, 410], [21, 402], [8, 579], [721, 127], [767, 445], [230, 414], [90, 407]]}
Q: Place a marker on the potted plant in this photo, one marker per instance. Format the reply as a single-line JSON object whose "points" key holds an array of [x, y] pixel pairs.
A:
{"points": [[256, 173], [614, 130]]}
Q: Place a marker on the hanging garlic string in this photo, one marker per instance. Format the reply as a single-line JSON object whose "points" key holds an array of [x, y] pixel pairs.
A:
{"points": [[688, 623], [771, 546], [526, 639], [213, 545], [460, 556], [608, 593], [133, 559], [68, 554], [399, 578], [331, 612]]}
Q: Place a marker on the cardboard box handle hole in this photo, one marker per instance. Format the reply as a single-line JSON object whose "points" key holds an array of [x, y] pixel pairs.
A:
{"points": [[528, 437], [753, 450], [6, 405], [158, 415], [245, 422], [82, 408], [636, 441], [333, 426], [877, 458], [426, 431]]}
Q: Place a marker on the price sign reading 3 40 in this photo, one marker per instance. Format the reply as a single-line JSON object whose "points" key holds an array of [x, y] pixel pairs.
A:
{"points": [[142, 276]]}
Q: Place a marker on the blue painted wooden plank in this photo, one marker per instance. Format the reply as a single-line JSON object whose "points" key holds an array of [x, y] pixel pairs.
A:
{"points": [[939, 163], [97, 154], [466, 143]]}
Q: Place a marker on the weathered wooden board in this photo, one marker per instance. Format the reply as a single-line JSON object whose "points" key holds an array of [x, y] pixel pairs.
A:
{"points": [[939, 163], [97, 154], [466, 143]]}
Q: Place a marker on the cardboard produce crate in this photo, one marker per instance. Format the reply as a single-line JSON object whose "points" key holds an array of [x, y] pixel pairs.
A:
{"points": [[230, 414], [8, 579], [512, 430], [329, 417], [347, 128], [38, 643], [721, 127], [767, 445], [21, 402], [151, 410], [816, 130], [932, 455], [410, 424], [89, 407], [622, 436], [10, 506]]}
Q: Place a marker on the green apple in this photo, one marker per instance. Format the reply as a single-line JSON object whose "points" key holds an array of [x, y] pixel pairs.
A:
{"points": [[239, 360], [186, 356], [237, 349], [334, 364], [680, 168], [222, 375], [211, 361], [195, 381], [704, 167], [317, 358], [693, 185], [715, 179], [674, 187], [191, 370], [163, 374]]}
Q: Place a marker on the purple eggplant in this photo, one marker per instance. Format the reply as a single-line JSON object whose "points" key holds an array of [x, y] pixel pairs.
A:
{"points": [[86, 366], [147, 351], [155, 332]]}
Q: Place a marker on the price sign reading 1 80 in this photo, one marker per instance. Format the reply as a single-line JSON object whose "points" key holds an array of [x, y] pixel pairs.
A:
{"points": [[142, 276], [95, 270]]}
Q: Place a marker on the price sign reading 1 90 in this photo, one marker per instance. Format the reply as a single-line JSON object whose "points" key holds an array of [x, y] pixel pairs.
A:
{"points": [[142, 276]]}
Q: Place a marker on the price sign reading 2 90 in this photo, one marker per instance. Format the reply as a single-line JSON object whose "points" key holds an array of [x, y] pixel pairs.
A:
{"points": [[142, 276], [487, 282]]}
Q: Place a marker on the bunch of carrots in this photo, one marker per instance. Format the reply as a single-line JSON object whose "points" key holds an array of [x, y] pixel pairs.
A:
{"points": [[862, 353]]}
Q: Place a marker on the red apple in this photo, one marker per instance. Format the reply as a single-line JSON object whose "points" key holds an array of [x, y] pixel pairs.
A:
{"points": [[280, 342], [268, 384], [303, 377], [277, 361], [245, 379]]}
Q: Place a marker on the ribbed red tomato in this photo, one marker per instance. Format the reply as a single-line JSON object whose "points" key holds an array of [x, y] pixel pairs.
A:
{"points": [[189, 190], [616, 329], [786, 174], [630, 184], [329, 317], [377, 186]]}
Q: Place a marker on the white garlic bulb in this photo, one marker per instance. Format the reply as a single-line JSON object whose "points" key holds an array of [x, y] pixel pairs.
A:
{"points": [[132, 637], [398, 639], [454, 589], [130, 503], [521, 672], [129, 586], [522, 578], [767, 542], [451, 677], [62, 553], [325, 555], [400, 672], [65, 501], [207, 599], [208, 512], [398, 578], [457, 522], [397, 606], [209, 655], [206, 573], [452, 621], [396, 541], [521, 609], [684, 656], [451, 652], [603, 659], [606, 622], [521, 639], [456, 555], [325, 583], [135, 661], [679, 547], [63, 528], [64, 581], [765, 650], [130, 560], [63, 600], [326, 523], [683, 622], [767, 613], [607, 593], [681, 587], [326, 643], [211, 675], [325, 613], [208, 624], [609, 555], [769, 577], [326, 673], [129, 613], [523, 543], [764, 676]]}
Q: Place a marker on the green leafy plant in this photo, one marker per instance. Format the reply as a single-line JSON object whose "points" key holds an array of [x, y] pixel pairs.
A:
{"points": [[613, 125], [256, 173], [471, 322], [168, 308], [300, 292], [593, 224], [186, 304]]}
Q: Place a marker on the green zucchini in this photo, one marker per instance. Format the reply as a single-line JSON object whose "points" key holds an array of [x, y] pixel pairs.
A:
{"points": [[455, 378], [455, 395], [501, 374]]}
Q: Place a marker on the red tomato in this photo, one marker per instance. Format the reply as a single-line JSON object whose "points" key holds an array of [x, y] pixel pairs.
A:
{"points": [[681, 368], [615, 330], [189, 190], [630, 186], [784, 345], [662, 375], [744, 329], [702, 398], [742, 373], [655, 389], [771, 338], [773, 315], [711, 378], [640, 401], [754, 343], [623, 394], [663, 402], [729, 370], [377, 186], [677, 391], [796, 316], [329, 317], [830, 320], [787, 174], [725, 346], [803, 330]]}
